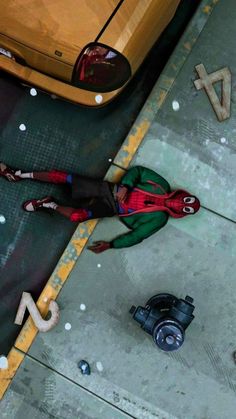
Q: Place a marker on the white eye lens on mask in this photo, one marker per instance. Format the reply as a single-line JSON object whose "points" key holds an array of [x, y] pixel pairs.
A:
{"points": [[189, 200], [188, 210]]}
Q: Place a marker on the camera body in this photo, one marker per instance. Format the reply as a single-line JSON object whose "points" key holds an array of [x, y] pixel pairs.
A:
{"points": [[166, 318]]}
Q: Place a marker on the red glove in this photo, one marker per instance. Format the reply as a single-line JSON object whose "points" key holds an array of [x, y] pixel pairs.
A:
{"points": [[122, 194], [99, 247]]}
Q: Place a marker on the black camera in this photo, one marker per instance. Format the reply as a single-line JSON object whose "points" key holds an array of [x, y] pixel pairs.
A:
{"points": [[166, 318]]}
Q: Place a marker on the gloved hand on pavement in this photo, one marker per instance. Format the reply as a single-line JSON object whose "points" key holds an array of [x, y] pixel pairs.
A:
{"points": [[99, 247]]}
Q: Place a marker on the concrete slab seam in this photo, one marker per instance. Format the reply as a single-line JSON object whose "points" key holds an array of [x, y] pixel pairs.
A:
{"points": [[70, 380]]}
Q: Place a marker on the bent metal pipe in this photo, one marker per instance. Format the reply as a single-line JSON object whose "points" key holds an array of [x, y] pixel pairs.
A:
{"points": [[27, 302]]}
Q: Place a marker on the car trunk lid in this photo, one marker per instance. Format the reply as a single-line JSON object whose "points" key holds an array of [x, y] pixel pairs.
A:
{"points": [[56, 28]]}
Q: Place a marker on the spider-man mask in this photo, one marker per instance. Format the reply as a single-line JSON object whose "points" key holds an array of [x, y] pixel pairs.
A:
{"points": [[181, 203]]}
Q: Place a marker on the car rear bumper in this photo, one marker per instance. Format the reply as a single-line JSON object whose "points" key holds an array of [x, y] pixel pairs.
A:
{"points": [[56, 87]]}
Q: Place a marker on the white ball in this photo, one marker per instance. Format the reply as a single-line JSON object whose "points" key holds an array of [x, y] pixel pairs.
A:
{"points": [[33, 92], [82, 307], [2, 219], [22, 127], [99, 366], [175, 105], [67, 326]]}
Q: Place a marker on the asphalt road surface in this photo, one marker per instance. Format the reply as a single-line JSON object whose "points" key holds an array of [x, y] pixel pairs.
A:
{"points": [[65, 136]]}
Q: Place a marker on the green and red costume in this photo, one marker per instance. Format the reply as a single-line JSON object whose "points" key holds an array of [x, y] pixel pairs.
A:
{"points": [[146, 209], [144, 206]]}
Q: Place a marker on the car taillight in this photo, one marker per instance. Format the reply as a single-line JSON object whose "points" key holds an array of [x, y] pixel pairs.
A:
{"points": [[100, 68]]}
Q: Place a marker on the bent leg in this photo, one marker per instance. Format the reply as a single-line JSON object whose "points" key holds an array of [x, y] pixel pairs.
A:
{"points": [[77, 215], [48, 203], [98, 209]]}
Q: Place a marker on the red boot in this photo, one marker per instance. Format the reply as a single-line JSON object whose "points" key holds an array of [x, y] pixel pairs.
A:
{"points": [[37, 204], [8, 173]]}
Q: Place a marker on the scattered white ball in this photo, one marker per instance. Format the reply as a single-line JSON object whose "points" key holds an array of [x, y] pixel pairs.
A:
{"points": [[98, 98], [45, 300], [3, 363], [22, 127], [82, 307], [33, 92], [67, 326], [110, 160], [53, 96], [2, 219], [223, 140], [99, 366], [175, 105], [99, 265]]}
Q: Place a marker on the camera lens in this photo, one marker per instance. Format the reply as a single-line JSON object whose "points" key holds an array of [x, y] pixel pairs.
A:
{"points": [[168, 335]]}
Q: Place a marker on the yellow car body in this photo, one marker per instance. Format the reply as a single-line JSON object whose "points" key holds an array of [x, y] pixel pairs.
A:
{"points": [[55, 45]]}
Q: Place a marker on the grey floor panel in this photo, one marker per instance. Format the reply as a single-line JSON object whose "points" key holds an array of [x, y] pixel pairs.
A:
{"points": [[39, 393], [193, 256]]}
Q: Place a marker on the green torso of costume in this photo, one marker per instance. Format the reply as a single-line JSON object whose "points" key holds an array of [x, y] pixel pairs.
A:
{"points": [[142, 225]]}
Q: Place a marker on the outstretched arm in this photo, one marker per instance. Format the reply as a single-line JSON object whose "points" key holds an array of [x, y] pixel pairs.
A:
{"points": [[137, 235], [131, 238]]}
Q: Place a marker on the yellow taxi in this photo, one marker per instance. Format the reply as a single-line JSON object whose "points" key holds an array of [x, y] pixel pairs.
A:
{"points": [[84, 51]]}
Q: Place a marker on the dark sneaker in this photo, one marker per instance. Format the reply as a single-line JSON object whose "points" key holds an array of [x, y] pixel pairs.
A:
{"points": [[8, 173], [37, 204]]}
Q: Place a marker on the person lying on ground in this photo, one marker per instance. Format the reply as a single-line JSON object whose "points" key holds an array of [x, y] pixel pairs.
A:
{"points": [[142, 200]]}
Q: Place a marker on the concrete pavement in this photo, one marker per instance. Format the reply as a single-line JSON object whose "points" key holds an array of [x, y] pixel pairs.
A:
{"points": [[130, 377]]}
